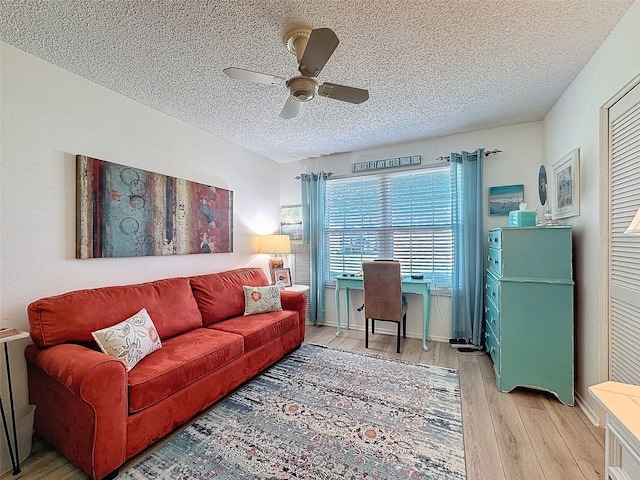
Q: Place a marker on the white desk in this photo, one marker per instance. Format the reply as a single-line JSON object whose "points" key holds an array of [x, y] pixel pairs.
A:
{"points": [[421, 287], [622, 443]]}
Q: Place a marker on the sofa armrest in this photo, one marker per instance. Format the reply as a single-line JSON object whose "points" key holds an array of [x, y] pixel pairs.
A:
{"points": [[295, 301], [81, 404]]}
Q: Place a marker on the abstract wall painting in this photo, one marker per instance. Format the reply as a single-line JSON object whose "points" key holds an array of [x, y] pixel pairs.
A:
{"points": [[128, 212]]}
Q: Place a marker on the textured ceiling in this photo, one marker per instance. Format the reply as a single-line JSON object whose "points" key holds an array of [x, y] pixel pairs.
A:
{"points": [[432, 68]]}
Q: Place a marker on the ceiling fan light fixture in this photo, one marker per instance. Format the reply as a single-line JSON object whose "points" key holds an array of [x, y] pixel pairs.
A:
{"points": [[296, 41], [303, 88]]}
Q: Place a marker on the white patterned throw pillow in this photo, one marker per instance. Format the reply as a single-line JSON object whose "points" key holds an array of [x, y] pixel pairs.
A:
{"points": [[261, 299], [130, 340]]}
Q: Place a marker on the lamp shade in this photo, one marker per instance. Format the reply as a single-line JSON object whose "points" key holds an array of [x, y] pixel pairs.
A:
{"points": [[634, 227], [275, 244]]}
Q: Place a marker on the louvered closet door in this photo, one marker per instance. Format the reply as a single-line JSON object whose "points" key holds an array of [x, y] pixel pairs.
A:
{"points": [[624, 250], [302, 270]]}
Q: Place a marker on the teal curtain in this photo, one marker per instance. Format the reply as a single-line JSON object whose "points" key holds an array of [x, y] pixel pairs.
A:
{"points": [[313, 220], [468, 245]]}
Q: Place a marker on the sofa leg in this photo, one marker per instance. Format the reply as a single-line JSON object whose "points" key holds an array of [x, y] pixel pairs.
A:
{"points": [[112, 475]]}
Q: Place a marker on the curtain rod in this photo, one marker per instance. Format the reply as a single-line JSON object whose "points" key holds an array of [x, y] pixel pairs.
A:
{"points": [[495, 151], [486, 154]]}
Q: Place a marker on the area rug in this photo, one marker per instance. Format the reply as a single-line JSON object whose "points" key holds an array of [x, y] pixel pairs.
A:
{"points": [[323, 413]]}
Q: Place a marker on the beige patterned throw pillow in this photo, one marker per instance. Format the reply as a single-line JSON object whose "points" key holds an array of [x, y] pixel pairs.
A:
{"points": [[130, 340], [261, 299]]}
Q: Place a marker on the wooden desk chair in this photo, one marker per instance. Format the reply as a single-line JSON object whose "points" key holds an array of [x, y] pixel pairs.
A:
{"points": [[383, 297]]}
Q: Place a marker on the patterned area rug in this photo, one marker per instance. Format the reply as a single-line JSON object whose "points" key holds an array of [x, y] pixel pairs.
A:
{"points": [[322, 413]]}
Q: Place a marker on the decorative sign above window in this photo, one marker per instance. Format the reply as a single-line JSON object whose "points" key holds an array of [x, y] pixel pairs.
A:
{"points": [[387, 163]]}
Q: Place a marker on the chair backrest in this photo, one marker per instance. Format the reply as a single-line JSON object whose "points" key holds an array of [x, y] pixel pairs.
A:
{"points": [[382, 290]]}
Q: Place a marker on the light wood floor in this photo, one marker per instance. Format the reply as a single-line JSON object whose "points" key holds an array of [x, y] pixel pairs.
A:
{"points": [[520, 435]]}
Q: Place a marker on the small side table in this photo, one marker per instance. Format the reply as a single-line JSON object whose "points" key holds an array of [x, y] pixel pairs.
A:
{"points": [[302, 289], [298, 288], [15, 459]]}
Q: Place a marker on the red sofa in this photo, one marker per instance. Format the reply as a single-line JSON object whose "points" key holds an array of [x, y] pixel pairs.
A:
{"points": [[99, 415]]}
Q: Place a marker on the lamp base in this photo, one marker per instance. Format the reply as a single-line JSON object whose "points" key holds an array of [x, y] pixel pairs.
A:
{"points": [[275, 262]]}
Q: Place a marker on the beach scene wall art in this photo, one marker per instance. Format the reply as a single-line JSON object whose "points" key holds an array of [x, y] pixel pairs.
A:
{"points": [[505, 199]]}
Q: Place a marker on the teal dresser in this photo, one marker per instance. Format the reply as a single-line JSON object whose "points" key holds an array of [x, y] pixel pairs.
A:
{"points": [[529, 309]]}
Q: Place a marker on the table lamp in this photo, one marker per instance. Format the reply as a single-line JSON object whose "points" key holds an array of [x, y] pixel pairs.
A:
{"points": [[275, 245], [634, 227]]}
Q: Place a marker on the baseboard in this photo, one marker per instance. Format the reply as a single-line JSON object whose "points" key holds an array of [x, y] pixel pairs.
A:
{"points": [[596, 418]]}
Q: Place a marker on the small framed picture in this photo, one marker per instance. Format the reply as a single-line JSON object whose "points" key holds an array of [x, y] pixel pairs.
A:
{"points": [[282, 275], [291, 221], [505, 199], [566, 181]]}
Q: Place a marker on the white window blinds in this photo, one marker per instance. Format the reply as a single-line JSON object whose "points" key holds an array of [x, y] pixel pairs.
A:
{"points": [[405, 216], [624, 250]]}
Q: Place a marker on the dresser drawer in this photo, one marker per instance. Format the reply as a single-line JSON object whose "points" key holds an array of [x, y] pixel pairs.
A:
{"points": [[495, 260], [493, 291], [495, 238], [493, 348], [492, 317]]}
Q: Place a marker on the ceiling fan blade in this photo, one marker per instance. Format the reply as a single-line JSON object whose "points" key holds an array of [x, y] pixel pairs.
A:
{"points": [[256, 77], [291, 108], [341, 92], [321, 45]]}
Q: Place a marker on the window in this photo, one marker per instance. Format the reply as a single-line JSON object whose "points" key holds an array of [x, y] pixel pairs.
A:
{"points": [[404, 216]]}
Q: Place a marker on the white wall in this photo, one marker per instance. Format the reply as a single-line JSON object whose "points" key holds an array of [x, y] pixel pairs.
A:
{"points": [[574, 122], [48, 116], [518, 163]]}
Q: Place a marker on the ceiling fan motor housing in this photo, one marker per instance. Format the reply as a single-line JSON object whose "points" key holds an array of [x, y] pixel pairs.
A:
{"points": [[303, 88]]}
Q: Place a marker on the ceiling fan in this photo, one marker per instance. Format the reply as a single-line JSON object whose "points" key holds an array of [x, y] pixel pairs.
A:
{"points": [[312, 48]]}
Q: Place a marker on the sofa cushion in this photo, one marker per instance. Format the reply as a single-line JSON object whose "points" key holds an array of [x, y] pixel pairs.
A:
{"points": [[72, 316], [220, 295], [181, 361], [261, 328], [261, 299], [130, 340]]}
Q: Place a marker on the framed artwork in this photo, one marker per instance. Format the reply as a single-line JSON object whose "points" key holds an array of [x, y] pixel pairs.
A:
{"points": [[282, 275], [128, 212], [566, 185], [291, 221], [505, 199]]}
